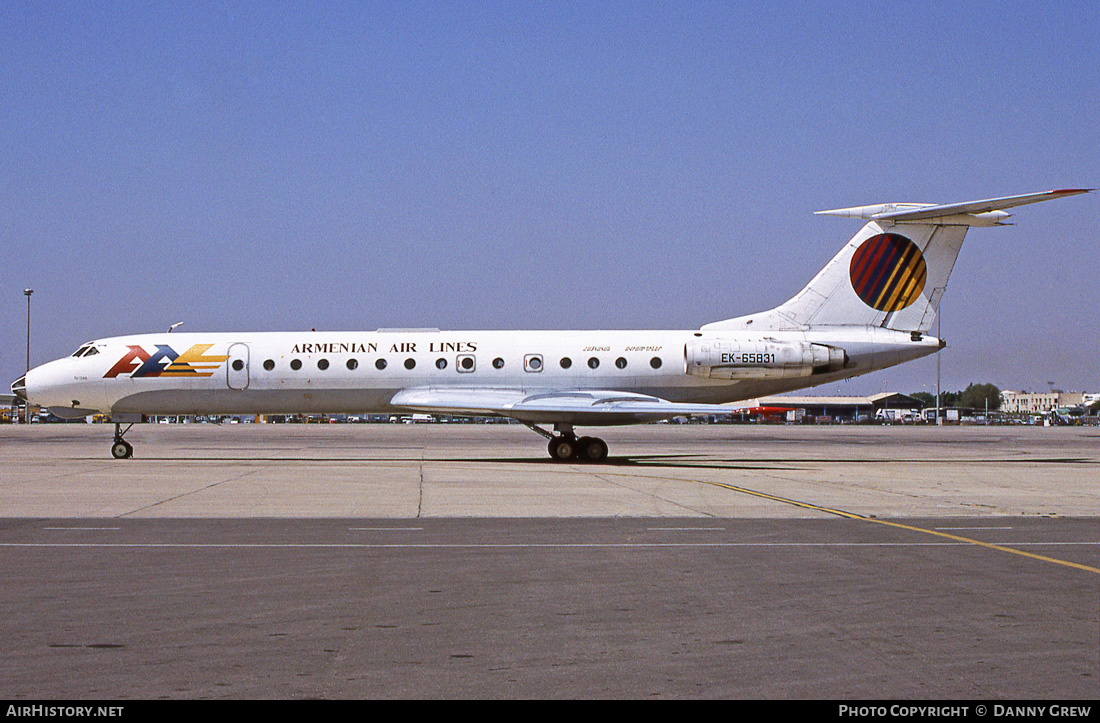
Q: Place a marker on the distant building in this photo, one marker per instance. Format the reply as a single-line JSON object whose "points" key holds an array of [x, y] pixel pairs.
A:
{"points": [[846, 409], [1039, 402]]}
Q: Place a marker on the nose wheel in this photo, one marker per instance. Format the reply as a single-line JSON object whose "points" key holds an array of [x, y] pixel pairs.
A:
{"points": [[120, 448]]}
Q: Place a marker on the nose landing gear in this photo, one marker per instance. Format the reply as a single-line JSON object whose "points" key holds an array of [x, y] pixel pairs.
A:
{"points": [[120, 448]]}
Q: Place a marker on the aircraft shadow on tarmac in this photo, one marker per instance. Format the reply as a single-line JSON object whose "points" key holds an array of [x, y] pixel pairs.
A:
{"points": [[690, 461], [656, 461]]}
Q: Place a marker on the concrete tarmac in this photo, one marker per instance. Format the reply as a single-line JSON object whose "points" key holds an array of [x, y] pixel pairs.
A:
{"points": [[411, 561], [412, 471]]}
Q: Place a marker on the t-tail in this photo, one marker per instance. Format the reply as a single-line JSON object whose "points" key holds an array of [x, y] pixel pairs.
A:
{"points": [[892, 273]]}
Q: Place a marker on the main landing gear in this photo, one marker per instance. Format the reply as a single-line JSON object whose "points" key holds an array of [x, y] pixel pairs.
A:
{"points": [[120, 448], [565, 446]]}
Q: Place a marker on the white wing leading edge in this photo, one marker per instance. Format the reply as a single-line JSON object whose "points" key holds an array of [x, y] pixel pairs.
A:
{"points": [[592, 407]]}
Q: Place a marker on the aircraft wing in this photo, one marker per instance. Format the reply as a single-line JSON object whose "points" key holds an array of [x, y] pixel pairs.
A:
{"points": [[572, 406]]}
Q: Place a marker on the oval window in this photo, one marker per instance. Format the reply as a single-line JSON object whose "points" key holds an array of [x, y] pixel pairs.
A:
{"points": [[295, 364], [566, 362], [322, 364], [498, 363], [269, 364], [621, 362], [655, 362], [238, 365], [410, 363], [467, 363], [440, 363], [353, 364], [380, 364], [593, 362]]}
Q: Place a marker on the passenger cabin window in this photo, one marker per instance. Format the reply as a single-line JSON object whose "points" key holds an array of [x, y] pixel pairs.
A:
{"points": [[498, 363], [295, 364], [410, 363], [238, 365], [322, 364], [593, 362], [466, 363], [566, 362], [655, 362], [269, 364], [621, 362], [532, 363], [380, 364], [353, 364], [441, 363]]}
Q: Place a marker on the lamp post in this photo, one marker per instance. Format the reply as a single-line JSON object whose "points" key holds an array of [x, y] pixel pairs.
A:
{"points": [[939, 335], [27, 293]]}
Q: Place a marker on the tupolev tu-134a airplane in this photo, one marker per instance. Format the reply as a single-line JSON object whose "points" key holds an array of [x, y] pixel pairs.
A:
{"points": [[871, 307]]}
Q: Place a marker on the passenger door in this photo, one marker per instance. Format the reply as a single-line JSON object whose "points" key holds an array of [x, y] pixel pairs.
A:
{"points": [[237, 368]]}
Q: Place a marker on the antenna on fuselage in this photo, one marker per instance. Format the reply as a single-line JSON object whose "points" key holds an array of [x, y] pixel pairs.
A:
{"points": [[178, 323]]}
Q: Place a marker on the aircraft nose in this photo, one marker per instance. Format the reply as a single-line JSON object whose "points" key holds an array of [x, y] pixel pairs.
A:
{"points": [[19, 387], [45, 384]]}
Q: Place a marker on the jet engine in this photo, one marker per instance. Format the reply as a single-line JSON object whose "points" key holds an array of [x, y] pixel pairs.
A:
{"points": [[761, 359]]}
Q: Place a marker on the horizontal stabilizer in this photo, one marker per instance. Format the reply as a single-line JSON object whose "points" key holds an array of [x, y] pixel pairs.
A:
{"points": [[989, 212]]}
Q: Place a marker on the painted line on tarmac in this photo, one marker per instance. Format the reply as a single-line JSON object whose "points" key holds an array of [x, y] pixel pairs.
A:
{"points": [[901, 526], [80, 529], [385, 529], [979, 527], [492, 545], [989, 545], [685, 529]]}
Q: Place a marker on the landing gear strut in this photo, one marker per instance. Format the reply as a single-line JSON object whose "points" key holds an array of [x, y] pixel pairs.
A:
{"points": [[120, 448], [564, 446]]}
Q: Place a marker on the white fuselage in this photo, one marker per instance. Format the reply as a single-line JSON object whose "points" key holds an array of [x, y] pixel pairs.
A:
{"points": [[360, 372]]}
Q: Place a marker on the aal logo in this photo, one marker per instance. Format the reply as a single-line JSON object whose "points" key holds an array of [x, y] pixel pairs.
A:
{"points": [[165, 362], [888, 272]]}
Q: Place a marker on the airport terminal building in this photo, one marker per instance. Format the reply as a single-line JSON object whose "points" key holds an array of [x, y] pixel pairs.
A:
{"points": [[1039, 403]]}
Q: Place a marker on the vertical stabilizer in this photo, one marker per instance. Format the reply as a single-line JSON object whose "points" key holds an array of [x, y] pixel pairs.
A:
{"points": [[892, 273]]}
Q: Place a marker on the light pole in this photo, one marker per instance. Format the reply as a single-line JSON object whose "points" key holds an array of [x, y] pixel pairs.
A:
{"points": [[939, 335], [27, 293]]}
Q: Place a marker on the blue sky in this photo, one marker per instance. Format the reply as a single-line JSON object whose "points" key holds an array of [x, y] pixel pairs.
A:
{"points": [[282, 166]]}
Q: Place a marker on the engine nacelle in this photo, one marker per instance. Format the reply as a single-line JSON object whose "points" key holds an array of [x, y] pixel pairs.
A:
{"points": [[761, 359]]}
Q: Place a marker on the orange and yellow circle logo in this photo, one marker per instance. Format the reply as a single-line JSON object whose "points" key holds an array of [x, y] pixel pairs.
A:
{"points": [[888, 272]]}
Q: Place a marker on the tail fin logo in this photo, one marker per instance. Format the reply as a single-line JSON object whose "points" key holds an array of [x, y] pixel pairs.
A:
{"points": [[888, 272]]}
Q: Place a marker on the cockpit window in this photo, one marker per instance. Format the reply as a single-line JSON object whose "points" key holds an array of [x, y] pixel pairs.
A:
{"points": [[80, 352], [92, 351]]}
